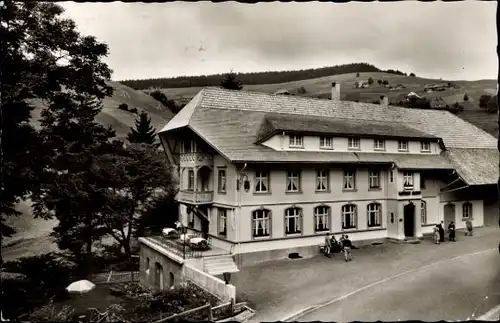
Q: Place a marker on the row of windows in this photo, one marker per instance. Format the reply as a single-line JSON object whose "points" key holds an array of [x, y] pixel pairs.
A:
{"points": [[261, 219], [355, 143]]}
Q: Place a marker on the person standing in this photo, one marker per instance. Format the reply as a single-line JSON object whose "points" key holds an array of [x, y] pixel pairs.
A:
{"points": [[347, 244], [441, 232], [328, 245], [436, 234], [451, 231], [468, 225]]}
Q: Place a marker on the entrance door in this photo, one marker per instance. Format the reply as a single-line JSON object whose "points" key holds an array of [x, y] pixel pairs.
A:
{"points": [[159, 276], [204, 227], [449, 214], [409, 220]]}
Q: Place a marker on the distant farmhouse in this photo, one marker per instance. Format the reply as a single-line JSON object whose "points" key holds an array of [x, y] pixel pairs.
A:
{"points": [[282, 92], [438, 87], [361, 85], [264, 176], [397, 87]]}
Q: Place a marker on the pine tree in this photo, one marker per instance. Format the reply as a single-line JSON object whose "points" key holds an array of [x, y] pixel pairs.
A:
{"points": [[144, 132], [230, 82]]}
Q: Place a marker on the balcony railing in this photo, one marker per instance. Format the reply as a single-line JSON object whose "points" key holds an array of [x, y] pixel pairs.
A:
{"points": [[196, 197], [191, 159]]}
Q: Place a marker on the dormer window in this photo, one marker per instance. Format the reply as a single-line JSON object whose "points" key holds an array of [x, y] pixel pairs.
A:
{"points": [[353, 143], [296, 141], [425, 146], [326, 142], [403, 145], [379, 144]]}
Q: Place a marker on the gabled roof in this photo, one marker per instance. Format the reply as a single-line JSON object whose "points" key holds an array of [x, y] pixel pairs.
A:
{"points": [[277, 122], [475, 166], [232, 121]]}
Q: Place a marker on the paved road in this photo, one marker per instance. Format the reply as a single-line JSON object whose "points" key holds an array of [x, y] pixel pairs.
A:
{"points": [[450, 290]]}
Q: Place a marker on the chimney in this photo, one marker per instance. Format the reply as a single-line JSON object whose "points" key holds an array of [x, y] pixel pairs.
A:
{"points": [[384, 101], [335, 91]]}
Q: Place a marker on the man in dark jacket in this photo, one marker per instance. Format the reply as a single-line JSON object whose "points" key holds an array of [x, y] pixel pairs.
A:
{"points": [[346, 243], [441, 232]]}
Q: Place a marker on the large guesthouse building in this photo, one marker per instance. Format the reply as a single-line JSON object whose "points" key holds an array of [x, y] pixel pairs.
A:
{"points": [[267, 175]]}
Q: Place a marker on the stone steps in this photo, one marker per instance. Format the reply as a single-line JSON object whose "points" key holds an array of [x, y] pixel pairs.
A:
{"points": [[217, 265]]}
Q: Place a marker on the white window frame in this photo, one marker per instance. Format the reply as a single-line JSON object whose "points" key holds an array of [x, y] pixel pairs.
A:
{"points": [[374, 179], [261, 217], [425, 146], [322, 177], [353, 143], [376, 145], [352, 211], [467, 210], [222, 181], [296, 141], [349, 177], [326, 142], [408, 182], [403, 145], [293, 177], [295, 214], [374, 210], [261, 182], [322, 214], [191, 179], [423, 212], [222, 221]]}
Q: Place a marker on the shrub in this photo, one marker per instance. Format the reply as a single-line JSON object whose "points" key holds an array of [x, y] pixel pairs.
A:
{"points": [[379, 81], [123, 106], [492, 106], [48, 313], [483, 101], [466, 97], [370, 81], [357, 74], [385, 82], [412, 74], [301, 90], [456, 108], [133, 110]]}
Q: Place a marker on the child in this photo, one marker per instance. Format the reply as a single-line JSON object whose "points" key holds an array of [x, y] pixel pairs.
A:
{"points": [[451, 231], [436, 235]]}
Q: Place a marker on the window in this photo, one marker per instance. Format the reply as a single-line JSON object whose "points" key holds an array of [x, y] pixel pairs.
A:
{"points": [[408, 180], [467, 210], [422, 181], [349, 214], [193, 146], [321, 180], [222, 218], [321, 218], [148, 264], [292, 220], [391, 176], [222, 181], [262, 182], [374, 214], [326, 142], [349, 180], [296, 141], [423, 212], [182, 146], [261, 222], [292, 182], [403, 145], [379, 144], [374, 179], [353, 143], [191, 179], [425, 146]]}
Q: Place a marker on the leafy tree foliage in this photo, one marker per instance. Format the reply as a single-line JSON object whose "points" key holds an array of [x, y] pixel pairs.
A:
{"points": [[412, 74], [370, 81], [161, 212], [251, 78], [162, 98], [123, 106], [417, 103], [48, 60], [483, 101], [466, 97], [230, 82], [492, 106], [138, 175], [144, 132]]}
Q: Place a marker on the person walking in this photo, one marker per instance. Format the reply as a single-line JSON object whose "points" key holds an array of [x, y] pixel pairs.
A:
{"points": [[468, 225], [347, 244], [451, 231], [441, 232], [328, 244], [436, 234]]}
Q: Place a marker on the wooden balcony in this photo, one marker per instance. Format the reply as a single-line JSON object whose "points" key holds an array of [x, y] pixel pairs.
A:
{"points": [[196, 160], [196, 197]]}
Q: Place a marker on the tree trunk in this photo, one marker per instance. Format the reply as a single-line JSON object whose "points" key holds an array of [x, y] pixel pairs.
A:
{"points": [[498, 102]]}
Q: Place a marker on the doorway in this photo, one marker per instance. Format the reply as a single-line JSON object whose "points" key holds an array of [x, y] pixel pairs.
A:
{"points": [[409, 220], [159, 276], [449, 214]]}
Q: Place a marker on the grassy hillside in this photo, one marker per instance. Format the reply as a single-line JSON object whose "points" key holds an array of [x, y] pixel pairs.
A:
{"points": [[321, 88], [121, 120]]}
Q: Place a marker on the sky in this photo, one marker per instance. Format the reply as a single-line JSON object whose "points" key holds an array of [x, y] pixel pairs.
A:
{"points": [[453, 41]]}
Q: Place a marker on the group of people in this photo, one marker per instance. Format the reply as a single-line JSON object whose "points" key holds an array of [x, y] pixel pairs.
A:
{"points": [[439, 231], [343, 245]]}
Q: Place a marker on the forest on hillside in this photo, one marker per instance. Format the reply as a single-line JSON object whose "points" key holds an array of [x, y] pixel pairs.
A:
{"points": [[270, 77]]}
